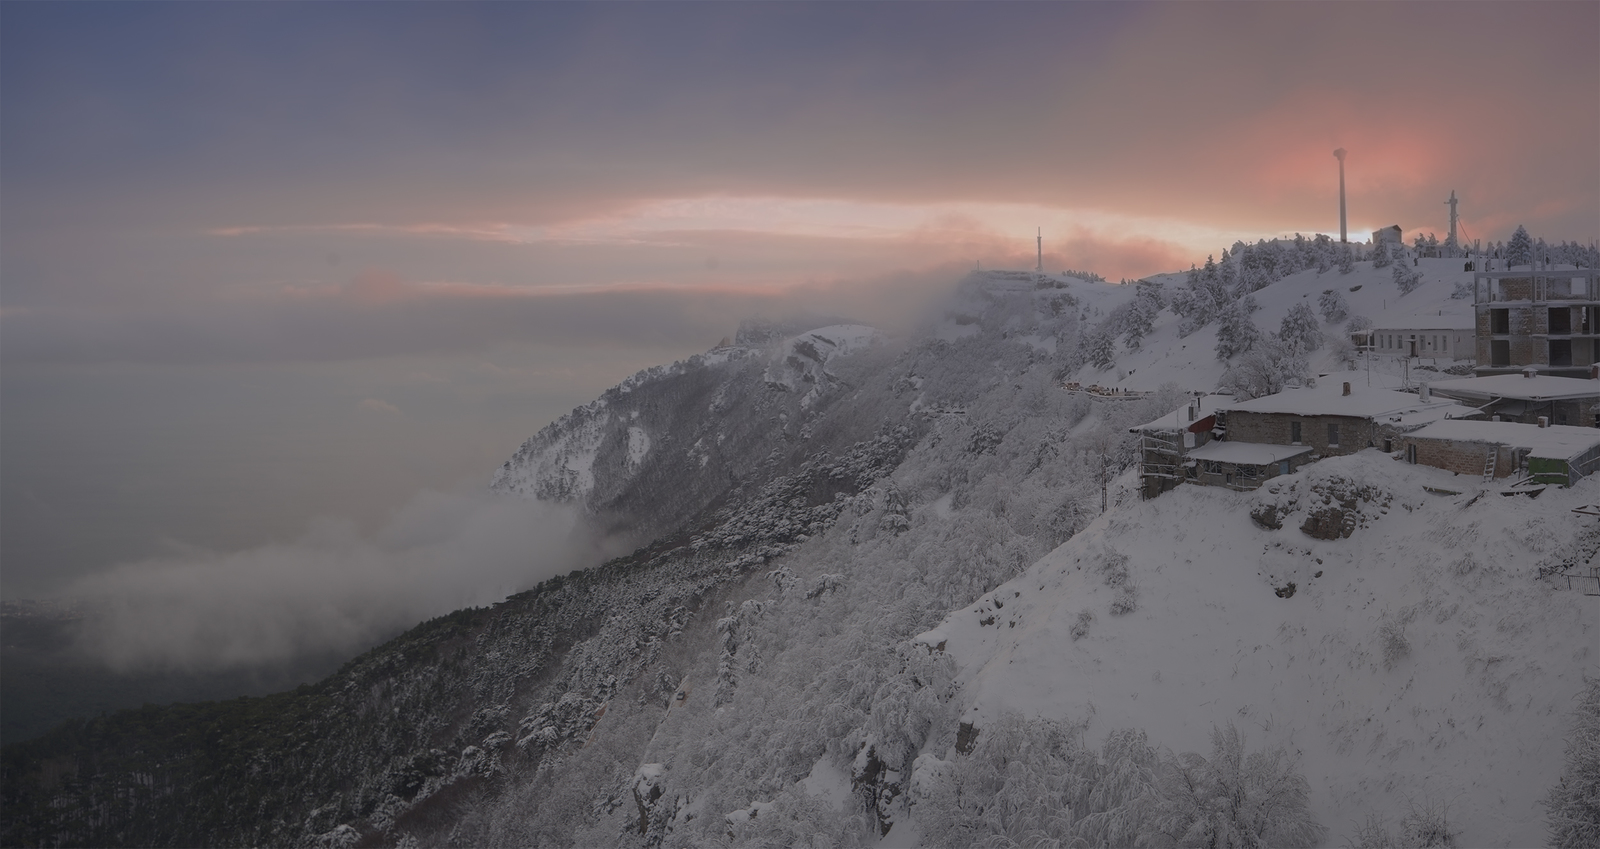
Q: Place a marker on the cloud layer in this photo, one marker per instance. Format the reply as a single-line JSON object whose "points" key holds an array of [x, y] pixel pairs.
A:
{"points": [[331, 590]]}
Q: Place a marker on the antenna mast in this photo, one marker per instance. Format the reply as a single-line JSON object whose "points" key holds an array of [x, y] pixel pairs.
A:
{"points": [[1452, 203]]}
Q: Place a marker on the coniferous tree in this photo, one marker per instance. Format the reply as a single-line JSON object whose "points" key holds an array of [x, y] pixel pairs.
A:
{"points": [[1236, 330], [1300, 330], [1407, 278], [1519, 251], [1347, 259], [1100, 347], [1333, 306], [1381, 257], [1228, 274], [1144, 308]]}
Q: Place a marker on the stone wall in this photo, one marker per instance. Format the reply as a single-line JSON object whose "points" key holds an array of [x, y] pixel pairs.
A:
{"points": [[1276, 429], [1466, 458]]}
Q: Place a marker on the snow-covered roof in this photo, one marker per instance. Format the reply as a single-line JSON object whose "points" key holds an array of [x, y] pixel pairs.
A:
{"points": [[1429, 324], [1249, 453], [1559, 442], [1544, 387], [1179, 419], [1327, 398]]}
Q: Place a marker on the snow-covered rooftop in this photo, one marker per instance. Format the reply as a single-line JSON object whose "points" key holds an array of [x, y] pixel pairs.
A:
{"points": [[1543, 387], [1179, 419], [1327, 398], [1249, 453], [1559, 442]]}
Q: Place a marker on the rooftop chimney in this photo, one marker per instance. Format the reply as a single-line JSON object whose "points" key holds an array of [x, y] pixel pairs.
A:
{"points": [[1347, 388], [1423, 394], [1544, 421], [1530, 372]]}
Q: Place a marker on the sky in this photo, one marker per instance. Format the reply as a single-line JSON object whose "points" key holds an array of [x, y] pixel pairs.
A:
{"points": [[264, 266]]}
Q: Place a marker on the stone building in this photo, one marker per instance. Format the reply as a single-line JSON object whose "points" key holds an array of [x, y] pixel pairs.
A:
{"points": [[1548, 319], [1527, 397], [1216, 441], [1340, 415], [1493, 450], [1165, 443]]}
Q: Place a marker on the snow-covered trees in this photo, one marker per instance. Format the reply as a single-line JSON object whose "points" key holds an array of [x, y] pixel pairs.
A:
{"points": [[1333, 306], [1234, 799], [1099, 347], [1573, 805], [1204, 300], [1265, 370], [1142, 311], [1030, 782], [1407, 278], [1322, 252], [1347, 259], [1236, 330], [1299, 329], [1519, 251]]}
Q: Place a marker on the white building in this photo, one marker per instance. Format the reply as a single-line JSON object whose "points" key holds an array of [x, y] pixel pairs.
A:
{"points": [[1425, 342], [1390, 234]]}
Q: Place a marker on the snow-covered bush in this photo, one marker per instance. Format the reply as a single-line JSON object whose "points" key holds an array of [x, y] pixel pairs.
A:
{"points": [[1342, 351], [1392, 636], [1234, 799], [1427, 827], [1080, 627], [1423, 827], [1372, 834], [1572, 807], [1126, 600]]}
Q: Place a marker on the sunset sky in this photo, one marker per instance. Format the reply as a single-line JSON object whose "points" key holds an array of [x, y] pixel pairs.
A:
{"points": [[268, 262]]}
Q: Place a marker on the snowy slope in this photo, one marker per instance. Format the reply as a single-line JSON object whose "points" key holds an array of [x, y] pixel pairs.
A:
{"points": [[1191, 361], [1419, 662]]}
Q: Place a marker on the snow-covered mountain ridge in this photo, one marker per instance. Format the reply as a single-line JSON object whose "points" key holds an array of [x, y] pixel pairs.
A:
{"points": [[779, 664], [695, 427]]}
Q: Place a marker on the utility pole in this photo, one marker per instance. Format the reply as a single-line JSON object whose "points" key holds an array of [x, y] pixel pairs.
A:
{"points": [[1344, 234]]}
